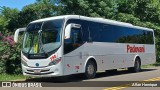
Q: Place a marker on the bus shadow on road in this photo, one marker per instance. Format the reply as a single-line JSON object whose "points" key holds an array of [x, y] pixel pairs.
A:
{"points": [[119, 72], [80, 77], [61, 79]]}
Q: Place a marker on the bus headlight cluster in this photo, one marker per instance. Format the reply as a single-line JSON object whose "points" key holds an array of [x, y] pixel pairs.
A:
{"points": [[24, 63], [54, 62]]}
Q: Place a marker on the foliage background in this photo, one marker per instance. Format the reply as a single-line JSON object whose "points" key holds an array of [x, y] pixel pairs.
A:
{"points": [[144, 13]]}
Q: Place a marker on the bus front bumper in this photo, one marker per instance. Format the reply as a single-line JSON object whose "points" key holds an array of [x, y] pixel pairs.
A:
{"points": [[50, 71]]}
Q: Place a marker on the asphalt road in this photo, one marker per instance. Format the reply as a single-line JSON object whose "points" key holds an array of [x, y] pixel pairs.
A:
{"points": [[120, 80]]}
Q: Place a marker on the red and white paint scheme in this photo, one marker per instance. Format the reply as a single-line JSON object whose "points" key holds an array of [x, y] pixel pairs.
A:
{"points": [[71, 44]]}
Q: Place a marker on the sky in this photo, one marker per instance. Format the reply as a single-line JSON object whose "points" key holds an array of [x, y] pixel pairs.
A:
{"points": [[19, 4]]}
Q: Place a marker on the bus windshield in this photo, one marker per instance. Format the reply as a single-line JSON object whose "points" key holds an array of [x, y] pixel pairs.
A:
{"points": [[42, 37]]}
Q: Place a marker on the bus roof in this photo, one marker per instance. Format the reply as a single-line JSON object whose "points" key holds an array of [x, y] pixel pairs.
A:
{"points": [[95, 19]]}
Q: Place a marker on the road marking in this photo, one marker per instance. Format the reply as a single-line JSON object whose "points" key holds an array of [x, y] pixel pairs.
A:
{"points": [[128, 85]]}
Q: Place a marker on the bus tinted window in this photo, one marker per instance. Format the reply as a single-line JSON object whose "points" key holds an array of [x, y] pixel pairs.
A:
{"points": [[98, 32], [106, 34], [78, 36], [84, 28], [118, 34], [128, 35], [94, 29]]}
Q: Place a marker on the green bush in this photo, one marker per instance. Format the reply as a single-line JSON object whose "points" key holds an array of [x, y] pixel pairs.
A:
{"points": [[13, 64], [3, 57], [9, 56]]}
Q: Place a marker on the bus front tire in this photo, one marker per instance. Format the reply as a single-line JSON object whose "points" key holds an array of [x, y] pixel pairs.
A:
{"points": [[90, 70], [137, 66]]}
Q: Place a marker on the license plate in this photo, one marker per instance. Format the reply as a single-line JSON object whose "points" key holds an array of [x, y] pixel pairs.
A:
{"points": [[37, 71]]}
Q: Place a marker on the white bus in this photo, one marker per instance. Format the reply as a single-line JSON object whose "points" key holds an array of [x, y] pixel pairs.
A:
{"points": [[71, 44]]}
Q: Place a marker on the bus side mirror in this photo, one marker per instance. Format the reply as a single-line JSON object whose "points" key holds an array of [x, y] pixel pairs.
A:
{"points": [[17, 33], [68, 29]]}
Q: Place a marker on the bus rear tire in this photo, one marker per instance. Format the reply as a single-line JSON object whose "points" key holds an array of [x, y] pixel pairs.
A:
{"points": [[137, 66], [90, 70]]}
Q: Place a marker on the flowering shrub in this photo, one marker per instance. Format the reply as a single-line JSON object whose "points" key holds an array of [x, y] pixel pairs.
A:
{"points": [[9, 40], [9, 55]]}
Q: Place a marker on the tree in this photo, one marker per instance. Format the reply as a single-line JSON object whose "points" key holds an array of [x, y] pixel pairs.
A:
{"points": [[145, 10], [35, 11], [94, 8], [10, 15], [3, 24], [126, 6]]}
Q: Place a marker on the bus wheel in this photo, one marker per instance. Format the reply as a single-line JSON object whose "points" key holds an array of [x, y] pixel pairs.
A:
{"points": [[137, 66], [90, 70]]}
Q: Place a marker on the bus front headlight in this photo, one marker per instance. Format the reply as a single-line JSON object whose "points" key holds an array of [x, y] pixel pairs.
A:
{"points": [[54, 62], [24, 63]]}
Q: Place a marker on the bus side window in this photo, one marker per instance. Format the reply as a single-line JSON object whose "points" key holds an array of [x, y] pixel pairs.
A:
{"points": [[78, 36], [85, 31], [94, 29], [74, 41]]}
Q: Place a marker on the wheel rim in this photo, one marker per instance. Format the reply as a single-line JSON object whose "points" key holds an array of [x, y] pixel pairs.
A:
{"points": [[90, 69]]}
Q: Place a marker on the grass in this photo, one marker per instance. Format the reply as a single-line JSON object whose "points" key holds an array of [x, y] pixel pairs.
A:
{"points": [[151, 65], [7, 77]]}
